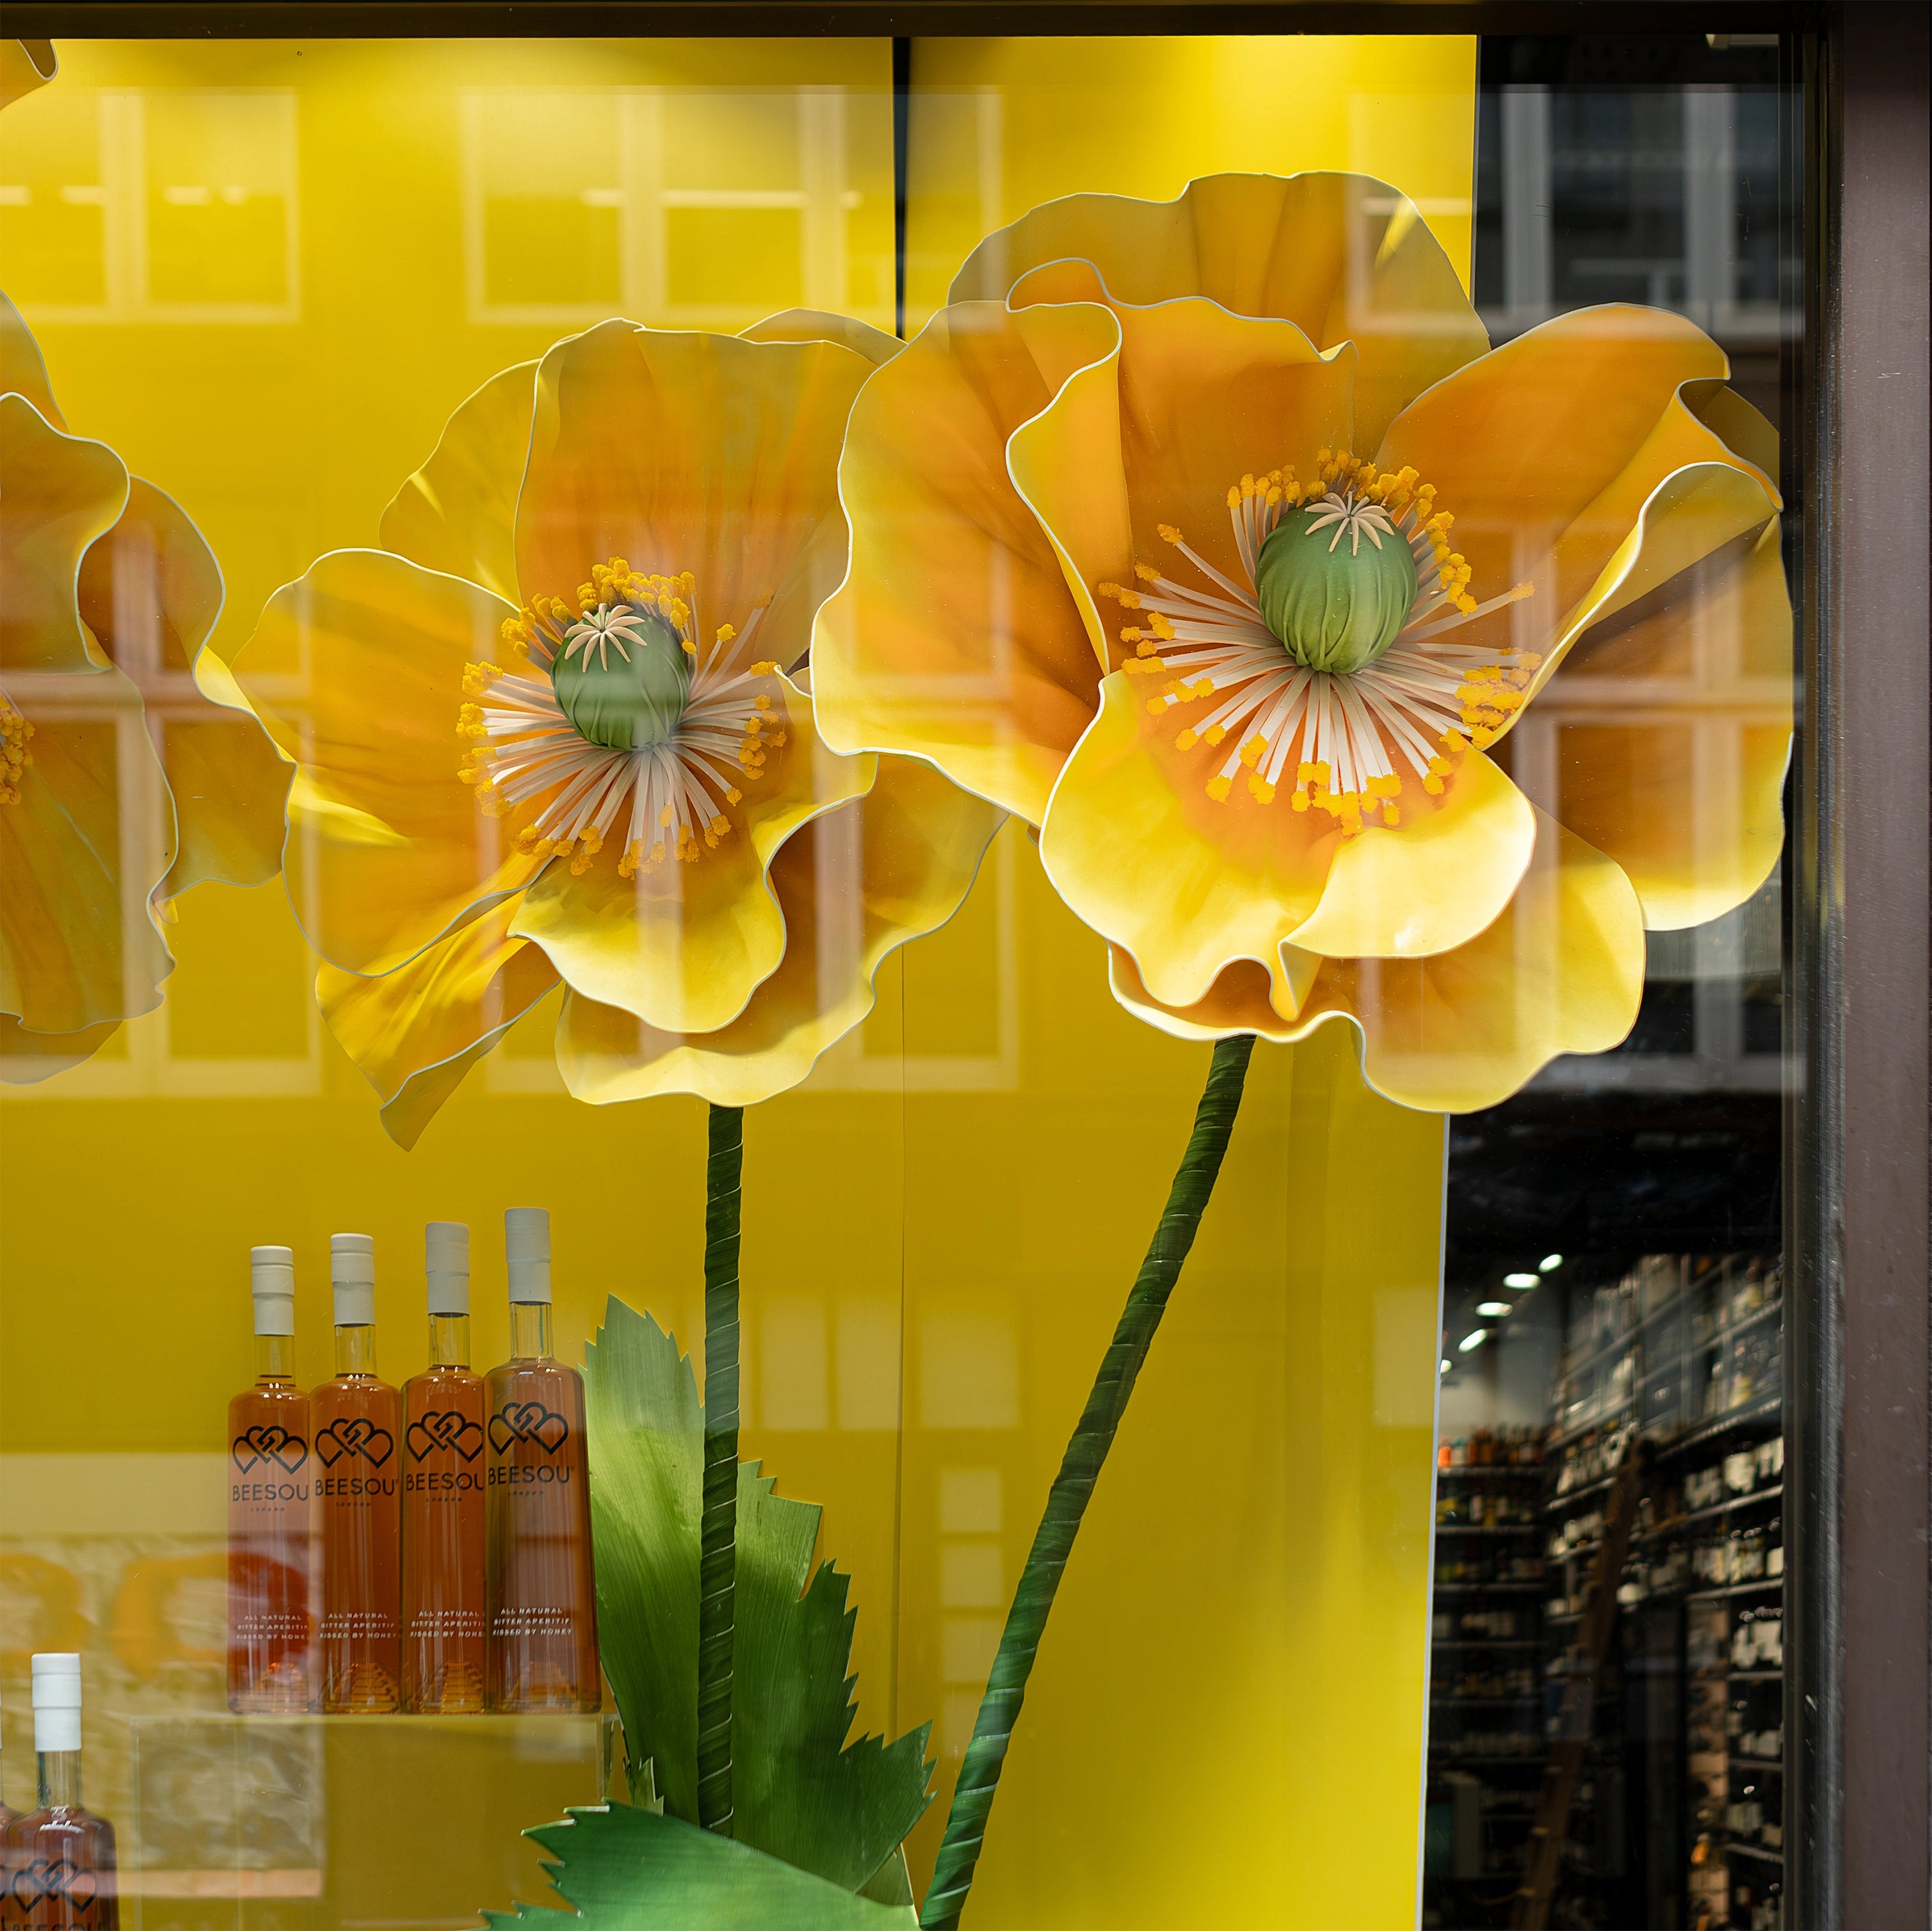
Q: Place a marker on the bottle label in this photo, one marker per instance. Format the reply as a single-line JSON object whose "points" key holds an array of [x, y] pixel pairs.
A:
{"points": [[530, 1422], [444, 1429], [357, 1437], [269, 1442], [59, 1883]]}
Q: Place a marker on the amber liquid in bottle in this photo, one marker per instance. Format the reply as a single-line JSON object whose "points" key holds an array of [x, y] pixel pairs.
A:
{"points": [[445, 1528], [59, 1860], [358, 1422], [542, 1589], [270, 1471]]}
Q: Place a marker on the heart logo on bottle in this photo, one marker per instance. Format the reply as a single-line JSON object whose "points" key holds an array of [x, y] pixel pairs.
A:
{"points": [[269, 1441], [355, 1435], [446, 1428], [42, 1881], [528, 1421]]}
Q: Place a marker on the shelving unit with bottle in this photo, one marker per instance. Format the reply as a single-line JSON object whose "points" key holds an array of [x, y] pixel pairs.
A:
{"points": [[1484, 1740], [1678, 1363]]}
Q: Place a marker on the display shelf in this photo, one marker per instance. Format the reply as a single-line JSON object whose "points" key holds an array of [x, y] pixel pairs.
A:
{"points": [[1483, 1702], [1489, 1588], [1775, 1582], [1564, 1500], [1747, 1676], [1775, 1764], [1464, 1469], [1720, 1425], [1484, 1642], [1608, 1418], [1742, 1849], [1677, 1524], [1488, 1528]]}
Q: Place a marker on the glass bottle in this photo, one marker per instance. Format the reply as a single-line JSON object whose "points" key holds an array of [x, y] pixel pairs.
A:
{"points": [[271, 1547], [60, 1858], [358, 1420], [444, 1528], [542, 1591]]}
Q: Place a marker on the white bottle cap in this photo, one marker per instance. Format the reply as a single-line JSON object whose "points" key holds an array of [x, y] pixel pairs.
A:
{"points": [[57, 1702], [446, 1263], [274, 1286], [352, 1268], [526, 1246]]}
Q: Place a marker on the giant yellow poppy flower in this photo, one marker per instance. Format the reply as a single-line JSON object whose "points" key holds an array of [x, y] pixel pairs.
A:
{"points": [[1210, 537], [548, 735], [122, 784]]}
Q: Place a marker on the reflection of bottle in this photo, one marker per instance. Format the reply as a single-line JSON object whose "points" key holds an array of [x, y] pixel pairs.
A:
{"points": [[443, 1468], [6, 1817], [60, 1858], [542, 1594], [357, 1485], [270, 1470]]}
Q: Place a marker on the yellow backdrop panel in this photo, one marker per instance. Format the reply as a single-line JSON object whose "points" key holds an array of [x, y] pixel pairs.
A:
{"points": [[265, 273]]}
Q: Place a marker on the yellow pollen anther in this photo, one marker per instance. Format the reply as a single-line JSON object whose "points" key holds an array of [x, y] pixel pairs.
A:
{"points": [[1169, 534], [1217, 789]]}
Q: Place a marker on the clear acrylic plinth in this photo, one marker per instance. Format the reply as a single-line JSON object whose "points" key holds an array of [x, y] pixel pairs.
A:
{"points": [[311, 1823]]}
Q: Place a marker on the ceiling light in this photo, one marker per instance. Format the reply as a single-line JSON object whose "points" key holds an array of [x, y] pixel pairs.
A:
{"points": [[1446, 1365], [1493, 1307], [1474, 1339], [1549, 1261], [1522, 1280]]}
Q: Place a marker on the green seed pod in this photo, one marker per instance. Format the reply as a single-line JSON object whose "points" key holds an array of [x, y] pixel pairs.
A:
{"points": [[625, 706], [1337, 608]]}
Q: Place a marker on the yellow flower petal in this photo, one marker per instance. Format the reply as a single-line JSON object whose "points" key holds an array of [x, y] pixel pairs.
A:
{"points": [[1137, 848], [691, 452], [150, 591], [1545, 450], [1204, 396], [1561, 971], [387, 845], [415, 1031], [24, 66], [954, 638], [1696, 836], [853, 885], [78, 948], [21, 370], [457, 513], [682, 945], [27, 1058], [1432, 884], [1344, 257], [813, 325], [62, 492]]}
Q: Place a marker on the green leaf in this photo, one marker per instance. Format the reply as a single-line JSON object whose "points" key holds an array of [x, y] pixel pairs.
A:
{"points": [[626, 1869], [800, 1793]]}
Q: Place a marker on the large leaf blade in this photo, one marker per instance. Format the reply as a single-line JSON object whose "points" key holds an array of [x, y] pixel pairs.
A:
{"points": [[800, 1793], [626, 1869]]}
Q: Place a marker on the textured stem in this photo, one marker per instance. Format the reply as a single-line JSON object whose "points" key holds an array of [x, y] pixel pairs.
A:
{"points": [[718, 1534], [1073, 1486]]}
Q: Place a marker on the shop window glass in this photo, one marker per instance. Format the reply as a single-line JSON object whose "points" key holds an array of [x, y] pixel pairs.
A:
{"points": [[1448, 1511]]}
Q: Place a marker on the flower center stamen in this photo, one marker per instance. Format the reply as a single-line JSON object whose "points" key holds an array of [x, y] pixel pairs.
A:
{"points": [[14, 756], [1332, 653], [620, 712]]}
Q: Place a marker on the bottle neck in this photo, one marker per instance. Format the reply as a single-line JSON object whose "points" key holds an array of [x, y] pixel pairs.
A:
{"points": [[57, 1772], [354, 1350], [529, 1331], [449, 1341], [275, 1358]]}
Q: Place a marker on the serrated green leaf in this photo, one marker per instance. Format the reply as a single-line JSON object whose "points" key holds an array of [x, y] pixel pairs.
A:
{"points": [[626, 1869], [800, 1794]]}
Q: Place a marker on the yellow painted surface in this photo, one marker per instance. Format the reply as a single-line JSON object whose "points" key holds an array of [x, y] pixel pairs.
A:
{"points": [[265, 273]]}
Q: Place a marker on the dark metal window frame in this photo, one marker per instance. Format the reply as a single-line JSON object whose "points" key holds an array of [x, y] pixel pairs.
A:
{"points": [[1859, 1180]]}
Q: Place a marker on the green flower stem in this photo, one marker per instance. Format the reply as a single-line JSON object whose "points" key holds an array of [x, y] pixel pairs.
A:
{"points": [[718, 1532], [1073, 1486]]}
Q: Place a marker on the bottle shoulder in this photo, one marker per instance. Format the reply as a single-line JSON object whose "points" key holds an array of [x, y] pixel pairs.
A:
{"points": [[443, 1383], [354, 1395], [281, 1398]]}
